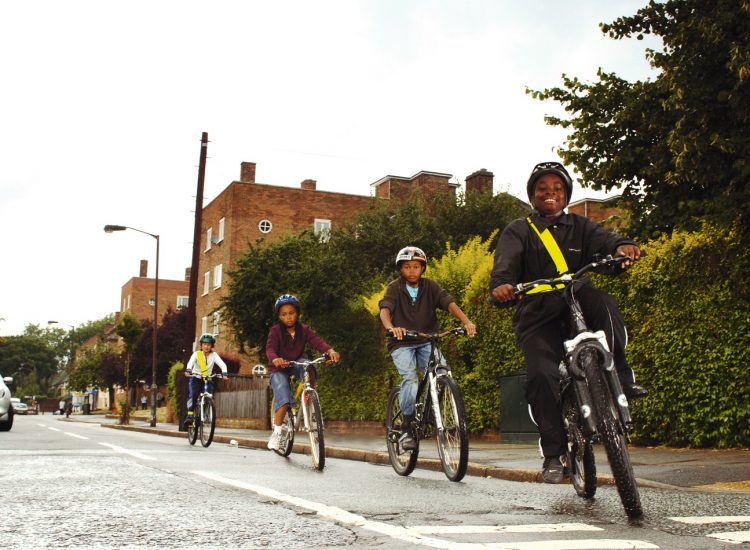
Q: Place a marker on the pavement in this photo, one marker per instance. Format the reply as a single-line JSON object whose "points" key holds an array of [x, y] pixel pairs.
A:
{"points": [[726, 470]]}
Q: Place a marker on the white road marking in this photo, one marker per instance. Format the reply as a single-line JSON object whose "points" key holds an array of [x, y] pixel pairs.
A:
{"points": [[476, 529], [734, 537], [75, 435], [53, 429], [135, 454], [407, 535], [703, 520]]}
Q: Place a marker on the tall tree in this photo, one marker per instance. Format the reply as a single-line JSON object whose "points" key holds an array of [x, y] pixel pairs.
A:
{"points": [[130, 331], [678, 145]]}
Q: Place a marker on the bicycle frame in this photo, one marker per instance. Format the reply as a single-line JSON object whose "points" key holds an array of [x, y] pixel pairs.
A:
{"points": [[427, 392], [304, 387]]}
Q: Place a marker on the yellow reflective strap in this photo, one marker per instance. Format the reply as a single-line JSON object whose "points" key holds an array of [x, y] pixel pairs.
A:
{"points": [[202, 364], [554, 251], [544, 288]]}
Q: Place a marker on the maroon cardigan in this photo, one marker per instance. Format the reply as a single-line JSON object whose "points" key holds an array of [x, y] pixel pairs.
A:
{"points": [[280, 344]]}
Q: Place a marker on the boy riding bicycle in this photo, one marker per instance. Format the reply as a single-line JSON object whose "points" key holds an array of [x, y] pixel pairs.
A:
{"points": [[410, 303], [547, 243], [202, 362], [286, 342]]}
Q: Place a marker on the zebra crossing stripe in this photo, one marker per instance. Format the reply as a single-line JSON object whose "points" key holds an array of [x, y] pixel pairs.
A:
{"points": [[733, 537], [705, 520], [480, 529]]}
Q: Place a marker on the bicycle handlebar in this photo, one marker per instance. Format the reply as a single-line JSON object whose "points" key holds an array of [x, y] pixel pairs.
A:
{"points": [[567, 278], [431, 335], [306, 362], [201, 377]]}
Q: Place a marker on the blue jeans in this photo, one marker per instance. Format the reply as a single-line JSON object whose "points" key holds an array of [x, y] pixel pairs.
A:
{"points": [[407, 359], [282, 389], [195, 387]]}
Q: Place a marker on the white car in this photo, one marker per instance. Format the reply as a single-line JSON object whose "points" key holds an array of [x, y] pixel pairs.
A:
{"points": [[6, 408], [20, 408]]}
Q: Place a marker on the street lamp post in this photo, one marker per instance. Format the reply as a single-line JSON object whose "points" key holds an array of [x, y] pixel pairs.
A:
{"points": [[110, 229]]}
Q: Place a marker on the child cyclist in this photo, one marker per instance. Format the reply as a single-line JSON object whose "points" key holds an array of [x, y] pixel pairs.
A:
{"points": [[202, 362], [286, 342], [410, 303]]}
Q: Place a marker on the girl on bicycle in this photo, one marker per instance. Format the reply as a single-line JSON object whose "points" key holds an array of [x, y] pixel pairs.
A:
{"points": [[286, 342], [201, 362], [409, 304]]}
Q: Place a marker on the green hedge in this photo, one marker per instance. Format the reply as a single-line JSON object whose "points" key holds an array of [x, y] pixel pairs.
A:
{"points": [[687, 307]]}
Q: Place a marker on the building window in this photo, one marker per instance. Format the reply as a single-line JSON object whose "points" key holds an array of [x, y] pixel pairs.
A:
{"points": [[129, 295], [265, 226], [217, 276], [204, 325], [209, 233], [220, 237], [183, 302], [206, 277], [322, 228], [151, 302], [217, 317], [124, 301]]}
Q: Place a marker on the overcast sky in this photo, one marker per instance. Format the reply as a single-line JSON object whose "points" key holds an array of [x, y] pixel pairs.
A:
{"points": [[103, 103]]}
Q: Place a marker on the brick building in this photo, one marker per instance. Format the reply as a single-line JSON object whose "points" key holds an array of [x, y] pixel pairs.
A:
{"points": [[598, 210], [137, 295], [247, 211]]}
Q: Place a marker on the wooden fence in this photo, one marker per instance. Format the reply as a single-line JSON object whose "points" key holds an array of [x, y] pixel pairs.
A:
{"points": [[242, 401]]}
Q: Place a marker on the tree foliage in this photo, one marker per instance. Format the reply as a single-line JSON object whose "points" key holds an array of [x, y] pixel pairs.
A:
{"points": [[678, 145], [29, 359]]}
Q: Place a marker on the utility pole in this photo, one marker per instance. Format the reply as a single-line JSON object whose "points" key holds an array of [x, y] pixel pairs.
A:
{"points": [[193, 288]]}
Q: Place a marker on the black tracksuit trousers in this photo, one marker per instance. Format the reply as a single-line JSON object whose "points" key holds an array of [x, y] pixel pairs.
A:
{"points": [[543, 350]]}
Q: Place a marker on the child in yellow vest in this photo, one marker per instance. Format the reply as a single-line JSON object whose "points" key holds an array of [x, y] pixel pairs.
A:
{"points": [[202, 362]]}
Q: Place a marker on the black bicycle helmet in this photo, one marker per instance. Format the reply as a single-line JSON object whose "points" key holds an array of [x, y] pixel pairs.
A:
{"points": [[410, 253], [207, 339], [286, 299], [549, 168]]}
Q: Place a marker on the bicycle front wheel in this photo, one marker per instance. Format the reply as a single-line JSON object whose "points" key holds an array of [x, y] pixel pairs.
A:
{"points": [[452, 437], [403, 462], [315, 430], [612, 437], [208, 422]]}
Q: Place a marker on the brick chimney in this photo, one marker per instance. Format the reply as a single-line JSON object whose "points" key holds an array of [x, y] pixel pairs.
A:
{"points": [[247, 172], [310, 185], [480, 181], [187, 273], [144, 269]]}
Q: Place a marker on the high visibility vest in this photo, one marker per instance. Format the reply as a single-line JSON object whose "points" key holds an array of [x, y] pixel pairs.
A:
{"points": [[555, 253], [202, 364]]}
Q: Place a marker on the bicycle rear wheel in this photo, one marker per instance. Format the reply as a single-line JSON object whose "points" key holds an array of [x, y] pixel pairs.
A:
{"points": [[286, 439], [453, 438], [580, 451], [612, 437], [315, 430], [192, 431], [403, 462], [208, 422]]}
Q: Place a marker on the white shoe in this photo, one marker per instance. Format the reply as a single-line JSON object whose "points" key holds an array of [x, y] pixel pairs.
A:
{"points": [[273, 441]]}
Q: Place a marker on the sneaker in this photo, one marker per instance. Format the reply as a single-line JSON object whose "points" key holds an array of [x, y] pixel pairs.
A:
{"points": [[407, 442], [189, 421], [553, 470], [634, 391], [273, 441]]}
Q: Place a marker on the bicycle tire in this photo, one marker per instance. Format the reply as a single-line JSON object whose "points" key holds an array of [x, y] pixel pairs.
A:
{"points": [[453, 439], [611, 436], [192, 431], [315, 430], [403, 462], [208, 422], [286, 439]]}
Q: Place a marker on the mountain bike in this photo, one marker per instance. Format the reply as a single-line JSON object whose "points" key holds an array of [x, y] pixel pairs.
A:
{"points": [[204, 420], [305, 414], [594, 405], [439, 410]]}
